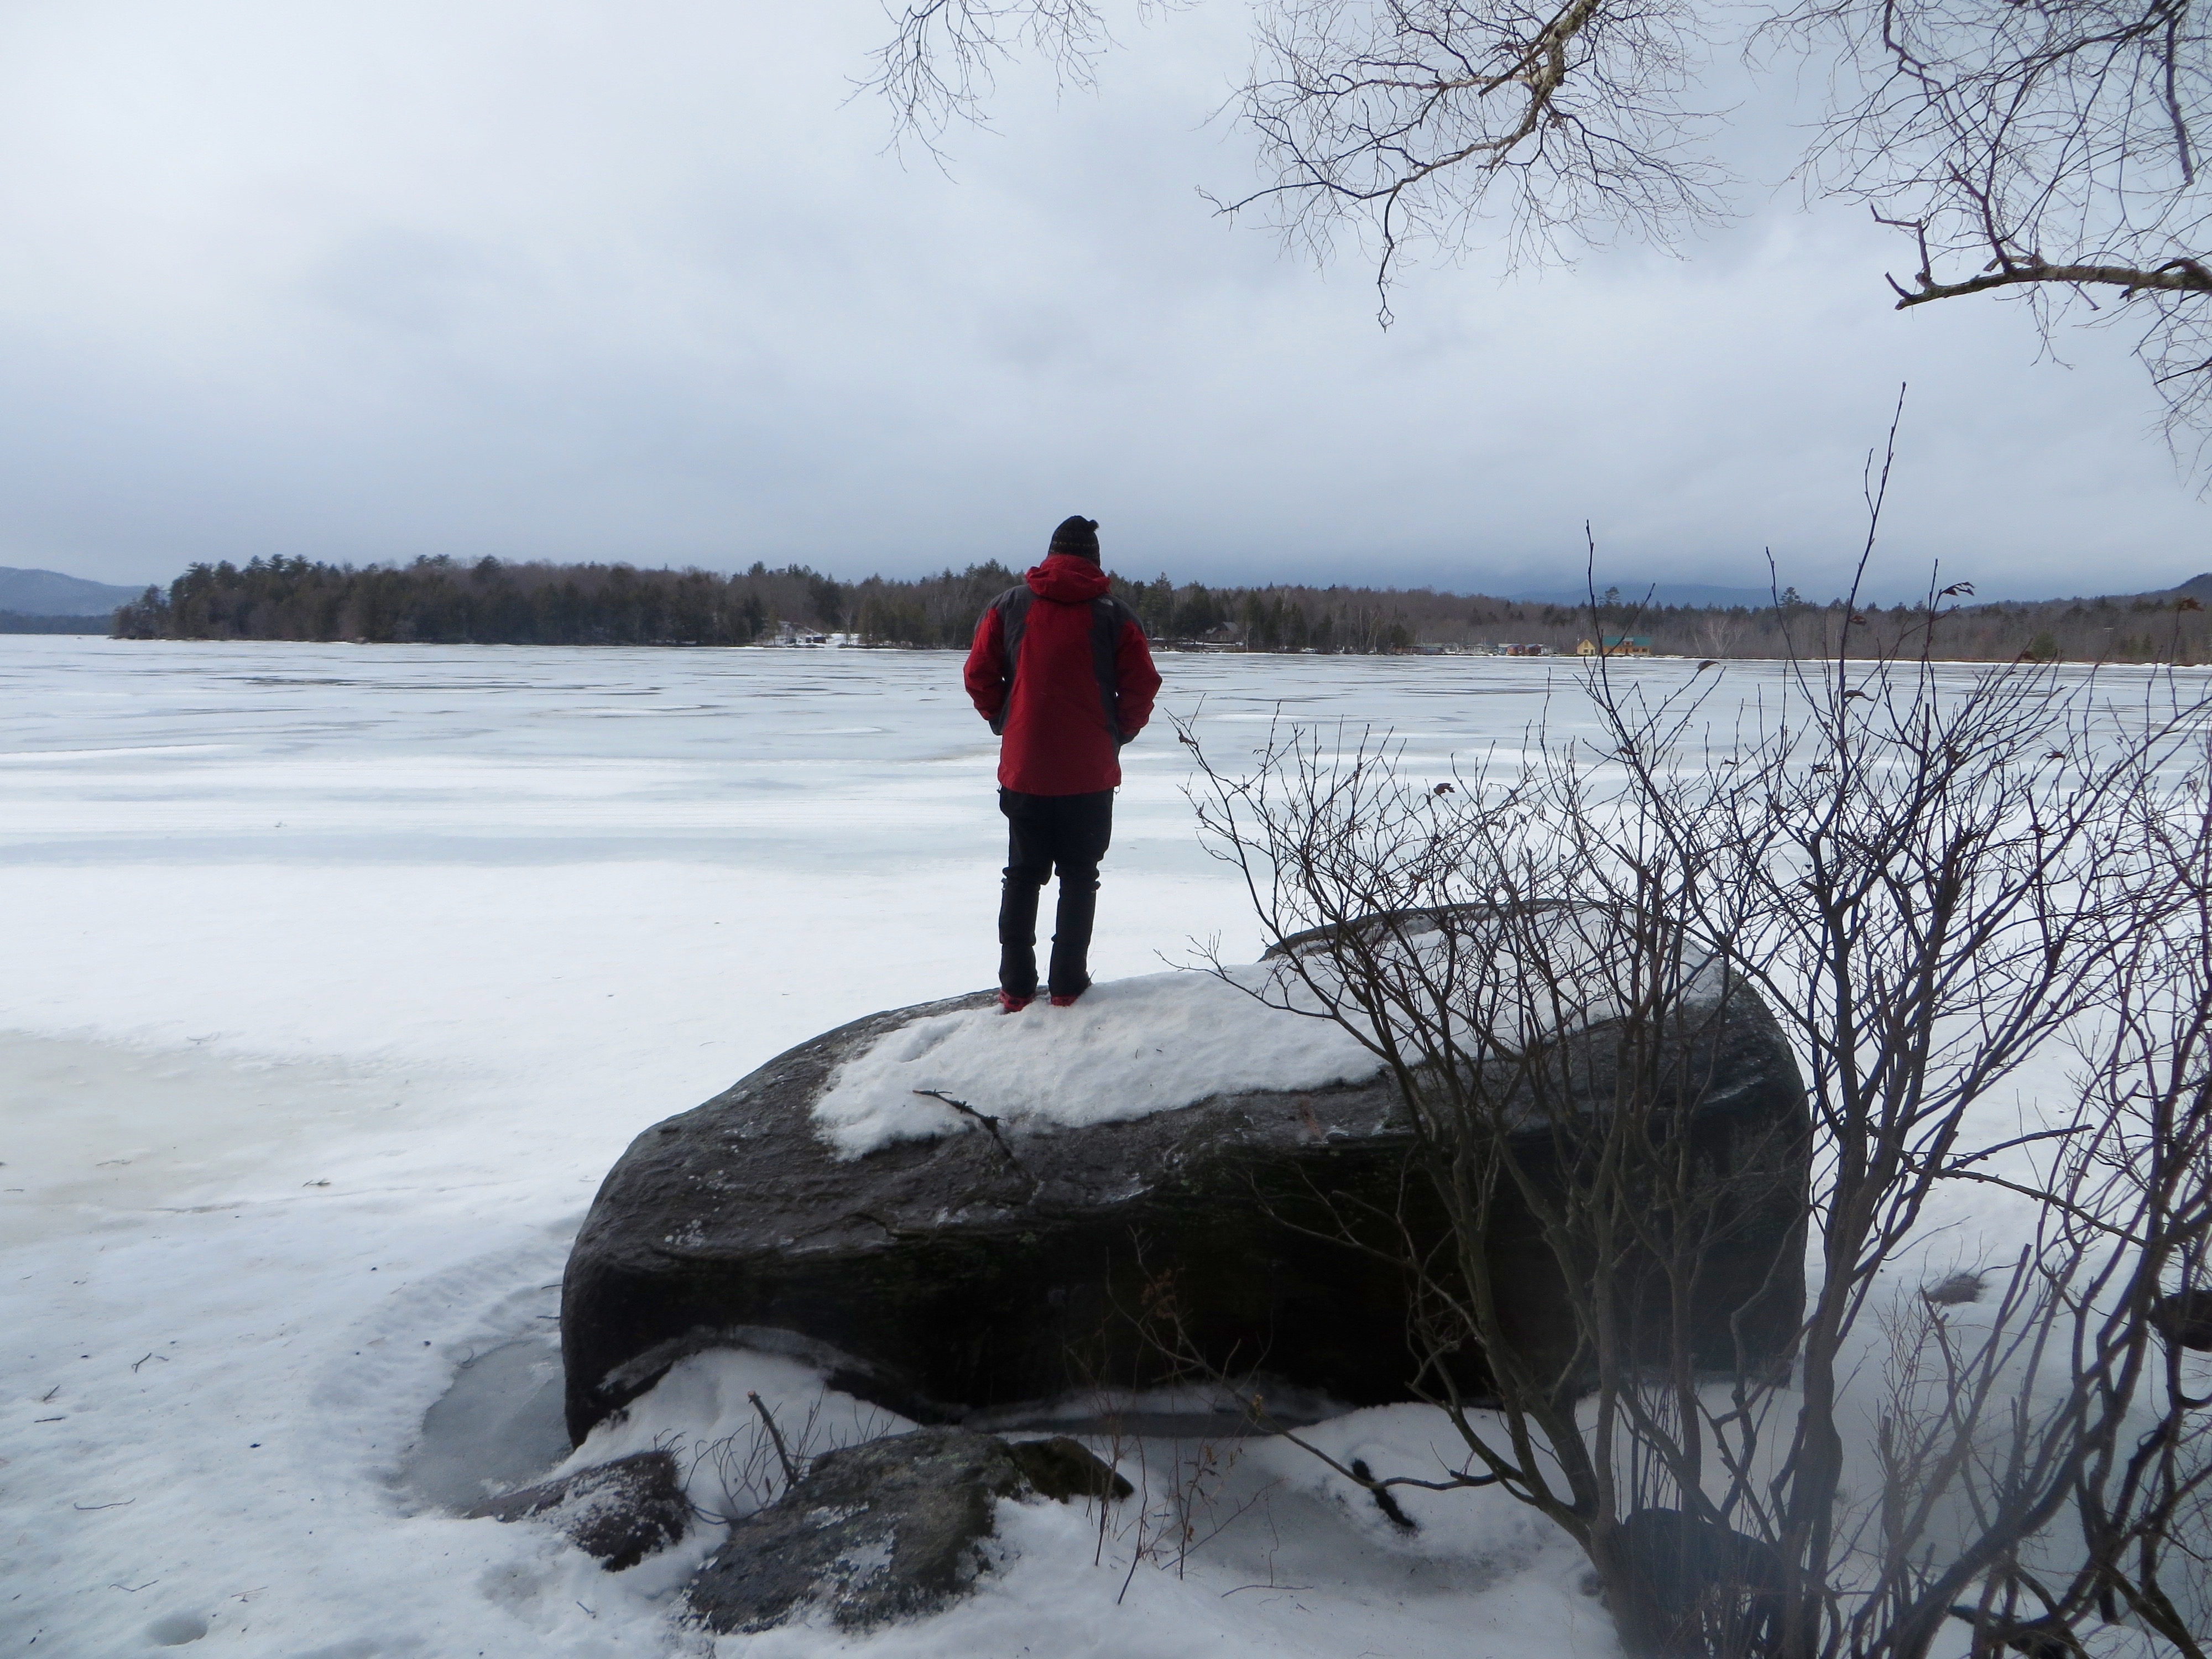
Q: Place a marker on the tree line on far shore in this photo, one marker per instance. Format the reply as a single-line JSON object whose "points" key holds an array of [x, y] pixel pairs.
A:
{"points": [[439, 600], [491, 602]]}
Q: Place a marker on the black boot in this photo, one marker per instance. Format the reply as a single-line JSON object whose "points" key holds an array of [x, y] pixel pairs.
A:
{"points": [[1018, 909], [1070, 935]]}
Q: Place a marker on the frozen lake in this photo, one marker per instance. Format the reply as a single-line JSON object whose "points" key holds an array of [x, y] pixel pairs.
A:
{"points": [[340, 975]]}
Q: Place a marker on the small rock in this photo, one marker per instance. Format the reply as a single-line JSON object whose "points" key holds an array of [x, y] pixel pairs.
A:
{"points": [[2184, 1318], [888, 1529], [1960, 1289], [620, 1512], [1063, 1468], [1705, 1589]]}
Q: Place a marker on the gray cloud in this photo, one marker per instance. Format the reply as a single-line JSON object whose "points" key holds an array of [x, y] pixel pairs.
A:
{"points": [[578, 281]]}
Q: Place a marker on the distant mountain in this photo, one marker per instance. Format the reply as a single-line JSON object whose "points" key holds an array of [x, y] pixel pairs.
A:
{"points": [[50, 593], [2197, 587], [1692, 593]]}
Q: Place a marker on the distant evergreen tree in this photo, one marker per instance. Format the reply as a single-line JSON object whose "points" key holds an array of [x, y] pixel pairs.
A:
{"points": [[826, 599]]}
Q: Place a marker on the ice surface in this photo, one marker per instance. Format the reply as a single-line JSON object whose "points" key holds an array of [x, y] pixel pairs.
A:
{"points": [[501, 1425], [339, 976]]}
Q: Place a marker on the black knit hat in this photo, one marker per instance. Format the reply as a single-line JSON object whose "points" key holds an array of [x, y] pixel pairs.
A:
{"points": [[1079, 536]]}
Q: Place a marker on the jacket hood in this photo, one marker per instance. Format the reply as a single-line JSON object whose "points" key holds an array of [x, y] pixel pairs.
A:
{"points": [[1068, 579]]}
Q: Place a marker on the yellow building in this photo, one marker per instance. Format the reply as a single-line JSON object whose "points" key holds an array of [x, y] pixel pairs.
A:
{"points": [[1616, 645]]}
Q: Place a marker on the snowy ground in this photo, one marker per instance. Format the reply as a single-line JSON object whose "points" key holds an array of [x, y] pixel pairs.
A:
{"points": [[339, 976]]}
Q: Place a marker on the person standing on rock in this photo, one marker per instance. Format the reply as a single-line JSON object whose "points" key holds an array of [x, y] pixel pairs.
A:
{"points": [[1061, 670]]}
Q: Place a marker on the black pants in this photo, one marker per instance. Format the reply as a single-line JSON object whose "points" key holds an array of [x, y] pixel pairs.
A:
{"points": [[1045, 832]]}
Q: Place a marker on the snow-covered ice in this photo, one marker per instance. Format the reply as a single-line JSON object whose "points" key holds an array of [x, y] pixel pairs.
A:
{"points": [[339, 976]]}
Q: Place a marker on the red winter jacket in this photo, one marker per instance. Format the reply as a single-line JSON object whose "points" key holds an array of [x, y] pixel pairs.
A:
{"points": [[1063, 676]]}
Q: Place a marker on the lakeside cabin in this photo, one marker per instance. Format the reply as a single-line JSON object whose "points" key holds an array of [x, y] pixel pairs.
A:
{"points": [[1616, 644]]}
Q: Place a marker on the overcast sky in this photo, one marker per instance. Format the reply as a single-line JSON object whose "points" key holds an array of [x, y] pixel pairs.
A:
{"points": [[574, 281]]}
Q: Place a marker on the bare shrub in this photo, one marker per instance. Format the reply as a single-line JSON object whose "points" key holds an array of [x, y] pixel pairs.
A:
{"points": [[753, 1466], [1933, 882]]}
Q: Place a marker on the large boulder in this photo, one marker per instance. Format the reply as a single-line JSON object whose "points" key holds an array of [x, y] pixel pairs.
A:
{"points": [[994, 1260]]}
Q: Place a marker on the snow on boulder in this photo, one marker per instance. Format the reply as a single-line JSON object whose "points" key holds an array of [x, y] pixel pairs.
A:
{"points": [[1164, 1131], [1129, 1049]]}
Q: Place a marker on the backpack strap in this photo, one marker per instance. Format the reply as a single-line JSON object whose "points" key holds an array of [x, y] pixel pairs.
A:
{"points": [[1108, 616], [1013, 609]]}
